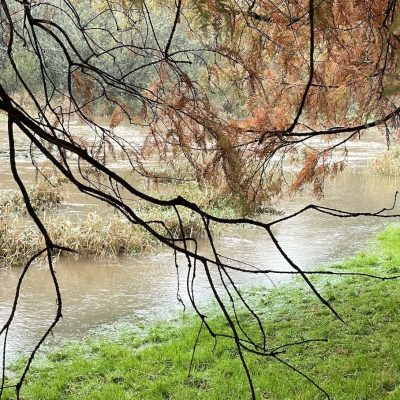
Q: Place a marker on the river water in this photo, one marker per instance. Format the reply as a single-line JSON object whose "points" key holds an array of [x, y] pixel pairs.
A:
{"points": [[100, 293]]}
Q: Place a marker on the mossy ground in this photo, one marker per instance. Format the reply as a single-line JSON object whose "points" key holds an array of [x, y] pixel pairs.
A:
{"points": [[361, 359]]}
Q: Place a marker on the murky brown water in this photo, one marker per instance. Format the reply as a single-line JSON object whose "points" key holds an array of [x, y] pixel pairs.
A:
{"points": [[99, 293]]}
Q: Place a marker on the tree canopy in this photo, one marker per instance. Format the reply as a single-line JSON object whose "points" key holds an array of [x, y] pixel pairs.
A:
{"points": [[229, 88]]}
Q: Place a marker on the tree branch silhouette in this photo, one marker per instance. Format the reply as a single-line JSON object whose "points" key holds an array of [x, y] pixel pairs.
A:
{"points": [[174, 110]]}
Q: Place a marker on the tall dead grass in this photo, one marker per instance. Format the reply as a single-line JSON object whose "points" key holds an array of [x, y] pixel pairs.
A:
{"points": [[101, 236], [388, 164]]}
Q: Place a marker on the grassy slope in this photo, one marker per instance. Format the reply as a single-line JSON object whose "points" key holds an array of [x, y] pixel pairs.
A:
{"points": [[360, 361]]}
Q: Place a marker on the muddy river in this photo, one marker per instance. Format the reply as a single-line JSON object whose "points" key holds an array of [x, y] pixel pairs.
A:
{"points": [[100, 293]]}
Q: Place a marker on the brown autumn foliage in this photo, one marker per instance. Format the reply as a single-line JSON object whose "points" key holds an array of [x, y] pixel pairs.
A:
{"points": [[253, 87], [282, 68]]}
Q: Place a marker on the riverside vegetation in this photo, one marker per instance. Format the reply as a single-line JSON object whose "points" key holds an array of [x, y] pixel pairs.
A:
{"points": [[360, 359], [388, 164], [99, 235]]}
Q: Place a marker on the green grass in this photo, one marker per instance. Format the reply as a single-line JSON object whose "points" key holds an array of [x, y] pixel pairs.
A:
{"points": [[361, 359]]}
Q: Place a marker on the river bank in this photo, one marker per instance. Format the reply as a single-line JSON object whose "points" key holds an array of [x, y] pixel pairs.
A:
{"points": [[105, 234], [360, 359]]}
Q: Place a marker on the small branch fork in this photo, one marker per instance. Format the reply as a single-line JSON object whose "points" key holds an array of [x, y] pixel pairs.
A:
{"points": [[58, 146]]}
